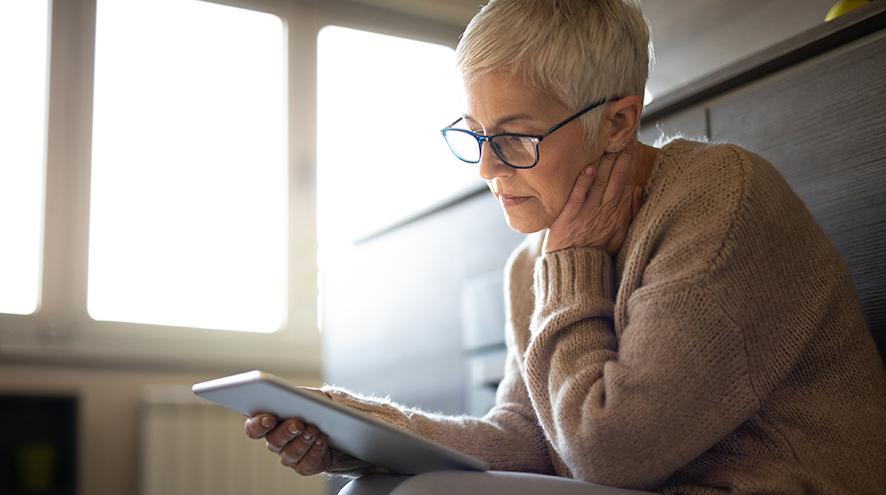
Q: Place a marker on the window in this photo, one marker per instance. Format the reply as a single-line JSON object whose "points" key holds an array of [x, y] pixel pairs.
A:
{"points": [[188, 208], [23, 56], [162, 197], [380, 105]]}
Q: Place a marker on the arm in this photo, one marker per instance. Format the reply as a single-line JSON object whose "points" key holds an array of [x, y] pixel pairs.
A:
{"points": [[732, 262], [630, 412], [508, 437]]}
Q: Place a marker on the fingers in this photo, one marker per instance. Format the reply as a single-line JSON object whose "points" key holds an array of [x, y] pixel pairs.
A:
{"points": [[326, 461], [316, 460], [622, 176], [259, 425], [579, 192], [601, 205], [605, 183], [299, 447], [283, 433], [604, 170]]}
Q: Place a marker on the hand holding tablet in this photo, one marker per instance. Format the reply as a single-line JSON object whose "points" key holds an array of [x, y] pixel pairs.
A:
{"points": [[261, 395], [300, 446]]}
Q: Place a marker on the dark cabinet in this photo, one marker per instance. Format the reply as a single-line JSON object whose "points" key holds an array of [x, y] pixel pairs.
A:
{"points": [[822, 124]]}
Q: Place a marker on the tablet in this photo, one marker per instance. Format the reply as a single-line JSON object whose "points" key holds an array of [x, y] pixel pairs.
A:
{"points": [[349, 430]]}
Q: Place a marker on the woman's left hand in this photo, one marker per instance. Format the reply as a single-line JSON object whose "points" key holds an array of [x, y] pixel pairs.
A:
{"points": [[601, 206]]}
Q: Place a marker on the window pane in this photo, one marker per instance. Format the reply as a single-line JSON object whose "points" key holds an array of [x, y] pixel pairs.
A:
{"points": [[189, 181], [23, 37], [382, 101]]}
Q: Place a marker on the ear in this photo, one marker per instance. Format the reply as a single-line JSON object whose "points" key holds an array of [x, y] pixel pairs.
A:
{"points": [[624, 119]]}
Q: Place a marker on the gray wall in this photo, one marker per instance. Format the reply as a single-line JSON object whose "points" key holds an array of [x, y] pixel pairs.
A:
{"points": [[392, 308]]}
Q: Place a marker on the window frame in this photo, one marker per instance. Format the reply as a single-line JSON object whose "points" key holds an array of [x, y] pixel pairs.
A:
{"points": [[60, 330]]}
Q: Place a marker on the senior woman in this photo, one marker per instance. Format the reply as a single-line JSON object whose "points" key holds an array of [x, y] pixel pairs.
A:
{"points": [[676, 321]]}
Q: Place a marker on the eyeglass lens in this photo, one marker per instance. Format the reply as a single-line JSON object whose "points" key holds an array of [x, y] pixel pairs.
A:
{"points": [[514, 150], [465, 146]]}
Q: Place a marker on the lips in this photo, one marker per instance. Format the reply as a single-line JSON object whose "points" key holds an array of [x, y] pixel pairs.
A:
{"points": [[509, 200]]}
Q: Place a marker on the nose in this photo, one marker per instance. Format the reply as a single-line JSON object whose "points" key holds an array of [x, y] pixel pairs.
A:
{"points": [[491, 167]]}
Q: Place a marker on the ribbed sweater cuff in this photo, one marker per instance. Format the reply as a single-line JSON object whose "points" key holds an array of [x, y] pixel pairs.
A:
{"points": [[573, 274], [380, 407], [344, 464]]}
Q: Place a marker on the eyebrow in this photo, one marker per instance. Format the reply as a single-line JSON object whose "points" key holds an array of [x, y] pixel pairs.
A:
{"points": [[506, 119]]}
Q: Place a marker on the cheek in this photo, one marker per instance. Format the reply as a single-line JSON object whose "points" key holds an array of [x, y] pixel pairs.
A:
{"points": [[565, 181], [553, 185]]}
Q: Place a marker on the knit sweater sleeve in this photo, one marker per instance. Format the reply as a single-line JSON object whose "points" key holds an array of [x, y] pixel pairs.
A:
{"points": [[629, 410], [629, 415], [508, 437]]}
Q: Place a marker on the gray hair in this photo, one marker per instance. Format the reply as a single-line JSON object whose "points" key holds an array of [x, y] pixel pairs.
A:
{"points": [[576, 51]]}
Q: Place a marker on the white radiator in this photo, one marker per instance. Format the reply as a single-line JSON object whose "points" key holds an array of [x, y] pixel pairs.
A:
{"points": [[192, 447]]}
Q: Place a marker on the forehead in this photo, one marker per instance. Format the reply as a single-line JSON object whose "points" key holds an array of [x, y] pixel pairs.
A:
{"points": [[493, 95]]}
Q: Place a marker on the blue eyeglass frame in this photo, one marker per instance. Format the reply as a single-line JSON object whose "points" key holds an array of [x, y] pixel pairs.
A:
{"points": [[537, 138]]}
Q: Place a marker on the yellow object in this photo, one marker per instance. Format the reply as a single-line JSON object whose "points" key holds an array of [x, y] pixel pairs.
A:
{"points": [[37, 467], [844, 6]]}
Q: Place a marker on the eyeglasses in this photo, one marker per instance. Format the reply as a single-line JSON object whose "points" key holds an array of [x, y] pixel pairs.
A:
{"points": [[513, 149]]}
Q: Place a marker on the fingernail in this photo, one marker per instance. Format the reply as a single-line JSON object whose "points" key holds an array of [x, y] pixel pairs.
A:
{"points": [[589, 170], [308, 436], [293, 429], [319, 441], [266, 422]]}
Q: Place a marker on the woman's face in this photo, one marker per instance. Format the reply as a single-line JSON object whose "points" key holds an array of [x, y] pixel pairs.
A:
{"points": [[498, 102]]}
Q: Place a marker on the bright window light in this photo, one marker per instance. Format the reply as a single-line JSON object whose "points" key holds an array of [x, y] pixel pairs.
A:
{"points": [[382, 101], [23, 49], [189, 179]]}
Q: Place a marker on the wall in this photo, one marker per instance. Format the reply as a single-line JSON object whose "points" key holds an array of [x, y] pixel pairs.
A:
{"points": [[109, 415]]}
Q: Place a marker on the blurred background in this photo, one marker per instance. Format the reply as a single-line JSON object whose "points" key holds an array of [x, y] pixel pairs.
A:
{"points": [[192, 188]]}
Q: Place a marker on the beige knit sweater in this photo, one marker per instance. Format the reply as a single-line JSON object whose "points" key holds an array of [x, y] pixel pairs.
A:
{"points": [[722, 350]]}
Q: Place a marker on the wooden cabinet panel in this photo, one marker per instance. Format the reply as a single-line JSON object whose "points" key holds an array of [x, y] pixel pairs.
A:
{"points": [[822, 124]]}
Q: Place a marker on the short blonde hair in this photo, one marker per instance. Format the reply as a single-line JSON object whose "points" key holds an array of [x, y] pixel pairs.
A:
{"points": [[577, 51]]}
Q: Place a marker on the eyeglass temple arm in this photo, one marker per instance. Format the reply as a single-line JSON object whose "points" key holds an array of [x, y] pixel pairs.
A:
{"points": [[454, 122], [575, 115]]}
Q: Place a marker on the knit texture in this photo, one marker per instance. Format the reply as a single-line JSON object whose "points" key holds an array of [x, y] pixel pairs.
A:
{"points": [[722, 350]]}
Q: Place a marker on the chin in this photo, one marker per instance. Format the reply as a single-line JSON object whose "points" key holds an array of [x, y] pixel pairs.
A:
{"points": [[525, 226]]}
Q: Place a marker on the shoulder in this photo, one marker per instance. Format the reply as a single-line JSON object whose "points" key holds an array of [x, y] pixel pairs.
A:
{"points": [[701, 198], [718, 166], [700, 185], [689, 168], [729, 186]]}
